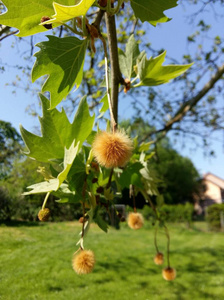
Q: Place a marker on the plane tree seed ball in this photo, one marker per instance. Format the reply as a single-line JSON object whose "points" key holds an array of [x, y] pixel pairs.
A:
{"points": [[112, 150], [169, 273], [158, 259], [83, 262], [135, 220], [44, 214]]}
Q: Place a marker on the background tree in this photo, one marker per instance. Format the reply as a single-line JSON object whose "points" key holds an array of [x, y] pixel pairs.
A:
{"points": [[10, 147]]}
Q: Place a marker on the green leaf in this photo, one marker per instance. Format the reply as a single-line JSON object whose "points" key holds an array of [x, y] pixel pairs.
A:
{"points": [[152, 73], [83, 122], [128, 59], [99, 220], [105, 106], [69, 157], [62, 59], [26, 15], [152, 10], [57, 132], [131, 175], [159, 200], [54, 184], [43, 187], [64, 13], [145, 146], [65, 195]]}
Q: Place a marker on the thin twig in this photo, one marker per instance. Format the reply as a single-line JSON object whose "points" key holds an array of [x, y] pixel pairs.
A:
{"points": [[7, 35]]}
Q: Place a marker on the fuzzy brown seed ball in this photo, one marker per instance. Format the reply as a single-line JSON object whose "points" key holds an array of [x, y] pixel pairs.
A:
{"points": [[83, 262], [158, 259], [169, 273], [135, 220], [44, 214], [112, 150]]}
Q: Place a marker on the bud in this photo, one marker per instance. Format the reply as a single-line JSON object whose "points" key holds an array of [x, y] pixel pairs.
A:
{"points": [[82, 220], [47, 26], [83, 262], [44, 214]]}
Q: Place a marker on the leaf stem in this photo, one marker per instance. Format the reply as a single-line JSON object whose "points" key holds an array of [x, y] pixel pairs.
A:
{"points": [[168, 245], [155, 240], [45, 200], [110, 178], [70, 28]]}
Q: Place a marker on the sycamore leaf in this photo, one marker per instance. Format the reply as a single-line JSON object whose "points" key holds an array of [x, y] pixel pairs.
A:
{"points": [[69, 157], [63, 193], [57, 132], [99, 220], [62, 59], [26, 15], [151, 72], [152, 10], [105, 106], [43, 187], [54, 184], [64, 13], [131, 175], [128, 59], [145, 146]]}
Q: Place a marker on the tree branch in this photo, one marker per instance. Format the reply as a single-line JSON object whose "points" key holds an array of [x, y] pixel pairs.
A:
{"points": [[116, 76], [188, 105]]}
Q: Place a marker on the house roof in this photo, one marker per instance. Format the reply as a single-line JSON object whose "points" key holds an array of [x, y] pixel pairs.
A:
{"points": [[214, 179]]}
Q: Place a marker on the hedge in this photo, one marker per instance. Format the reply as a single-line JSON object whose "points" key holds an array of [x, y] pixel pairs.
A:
{"points": [[215, 216]]}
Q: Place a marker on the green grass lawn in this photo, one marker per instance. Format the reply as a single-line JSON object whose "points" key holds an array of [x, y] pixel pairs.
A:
{"points": [[35, 263]]}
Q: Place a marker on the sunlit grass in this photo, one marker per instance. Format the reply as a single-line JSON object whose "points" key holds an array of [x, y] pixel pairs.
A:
{"points": [[35, 263]]}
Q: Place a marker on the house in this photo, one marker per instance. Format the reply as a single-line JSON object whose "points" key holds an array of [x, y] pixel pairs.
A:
{"points": [[214, 192]]}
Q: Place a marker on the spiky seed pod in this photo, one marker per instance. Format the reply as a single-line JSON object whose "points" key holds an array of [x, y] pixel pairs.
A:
{"points": [[112, 150], [44, 214], [135, 220], [169, 273], [83, 262], [158, 259]]}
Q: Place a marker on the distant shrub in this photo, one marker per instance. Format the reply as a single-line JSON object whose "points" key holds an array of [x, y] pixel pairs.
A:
{"points": [[214, 216], [171, 213]]}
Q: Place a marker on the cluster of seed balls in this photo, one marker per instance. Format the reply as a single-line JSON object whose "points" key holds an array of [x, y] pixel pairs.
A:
{"points": [[110, 150]]}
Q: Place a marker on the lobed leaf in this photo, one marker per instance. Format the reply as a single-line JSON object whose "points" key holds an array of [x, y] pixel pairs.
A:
{"points": [[62, 59], [26, 15], [152, 10], [128, 59], [57, 132], [64, 13], [152, 73]]}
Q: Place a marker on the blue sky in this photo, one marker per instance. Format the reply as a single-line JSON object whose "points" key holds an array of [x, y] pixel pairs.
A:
{"points": [[170, 36]]}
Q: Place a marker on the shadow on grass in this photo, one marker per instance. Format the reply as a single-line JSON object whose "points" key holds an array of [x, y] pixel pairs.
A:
{"points": [[15, 223], [198, 293]]}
